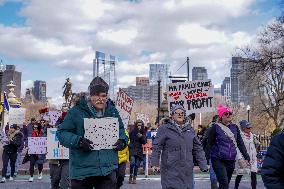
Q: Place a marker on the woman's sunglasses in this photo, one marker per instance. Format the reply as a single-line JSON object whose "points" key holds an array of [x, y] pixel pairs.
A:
{"points": [[228, 113]]}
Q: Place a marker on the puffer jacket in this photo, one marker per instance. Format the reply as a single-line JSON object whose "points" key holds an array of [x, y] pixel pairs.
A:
{"points": [[96, 162], [272, 170], [221, 147], [123, 155]]}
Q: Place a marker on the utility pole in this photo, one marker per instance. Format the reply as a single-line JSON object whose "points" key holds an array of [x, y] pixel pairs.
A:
{"points": [[187, 62]]}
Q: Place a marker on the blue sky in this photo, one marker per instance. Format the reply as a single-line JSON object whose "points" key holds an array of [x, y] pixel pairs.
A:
{"points": [[48, 42]]}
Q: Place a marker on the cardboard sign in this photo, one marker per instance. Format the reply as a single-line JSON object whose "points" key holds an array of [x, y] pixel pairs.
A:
{"points": [[37, 145], [54, 149], [194, 96], [143, 117], [17, 116], [53, 117], [147, 147], [124, 106], [3, 138], [103, 132]]}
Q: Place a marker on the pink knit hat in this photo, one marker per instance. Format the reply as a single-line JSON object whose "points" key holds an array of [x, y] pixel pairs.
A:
{"points": [[222, 110]]}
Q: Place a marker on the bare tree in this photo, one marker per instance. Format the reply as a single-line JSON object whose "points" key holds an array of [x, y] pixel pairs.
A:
{"points": [[264, 70]]}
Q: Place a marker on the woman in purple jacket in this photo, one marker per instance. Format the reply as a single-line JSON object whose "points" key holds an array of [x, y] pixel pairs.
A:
{"points": [[221, 146]]}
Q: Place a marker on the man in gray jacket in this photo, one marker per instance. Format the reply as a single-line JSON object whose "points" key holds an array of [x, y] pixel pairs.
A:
{"points": [[177, 143]]}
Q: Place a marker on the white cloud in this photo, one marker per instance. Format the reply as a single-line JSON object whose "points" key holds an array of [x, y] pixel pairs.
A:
{"points": [[123, 36], [168, 30], [198, 35]]}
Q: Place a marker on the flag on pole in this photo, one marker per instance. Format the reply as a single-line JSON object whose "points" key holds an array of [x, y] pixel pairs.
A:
{"points": [[6, 103]]}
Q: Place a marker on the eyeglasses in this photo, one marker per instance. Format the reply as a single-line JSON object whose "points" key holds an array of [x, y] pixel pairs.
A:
{"points": [[139, 125], [228, 113], [180, 114]]}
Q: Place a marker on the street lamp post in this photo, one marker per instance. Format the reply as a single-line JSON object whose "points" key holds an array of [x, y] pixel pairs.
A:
{"points": [[248, 110]]}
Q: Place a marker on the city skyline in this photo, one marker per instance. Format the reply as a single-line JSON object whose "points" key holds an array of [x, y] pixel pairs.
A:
{"points": [[139, 33]]}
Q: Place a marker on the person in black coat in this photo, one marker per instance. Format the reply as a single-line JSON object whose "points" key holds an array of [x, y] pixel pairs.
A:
{"points": [[137, 138], [10, 151], [272, 171]]}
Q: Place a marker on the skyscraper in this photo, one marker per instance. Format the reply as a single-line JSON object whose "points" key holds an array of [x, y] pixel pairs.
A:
{"points": [[226, 89], [240, 91], [39, 90], [159, 71], [104, 67], [10, 74], [199, 73]]}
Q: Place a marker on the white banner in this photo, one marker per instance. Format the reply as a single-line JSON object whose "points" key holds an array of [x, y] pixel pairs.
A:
{"points": [[17, 116], [143, 117], [54, 149], [195, 96], [37, 145], [124, 106], [103, 132]]}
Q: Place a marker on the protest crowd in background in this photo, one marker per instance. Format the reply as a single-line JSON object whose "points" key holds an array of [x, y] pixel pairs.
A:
{"points": [[91, 145]]}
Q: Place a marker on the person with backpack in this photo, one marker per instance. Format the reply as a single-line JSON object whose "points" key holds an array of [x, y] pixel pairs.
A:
{"points": [[226, 147]]}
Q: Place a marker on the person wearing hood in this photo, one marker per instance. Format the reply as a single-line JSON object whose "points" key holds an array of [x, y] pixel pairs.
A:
{"points": [[10, 151], [137, 138], [176, 143], [90, 168], [225, 146]]}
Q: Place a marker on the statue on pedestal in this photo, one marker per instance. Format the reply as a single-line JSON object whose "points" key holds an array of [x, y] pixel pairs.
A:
{"points": [[67, 93]]}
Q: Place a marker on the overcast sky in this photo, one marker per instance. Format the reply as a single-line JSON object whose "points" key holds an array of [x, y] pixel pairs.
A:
{"points": [[52, 40]]}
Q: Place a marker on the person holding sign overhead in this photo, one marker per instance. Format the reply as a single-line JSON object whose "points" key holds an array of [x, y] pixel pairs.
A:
{"points": [[177, 143], [91, 168]]}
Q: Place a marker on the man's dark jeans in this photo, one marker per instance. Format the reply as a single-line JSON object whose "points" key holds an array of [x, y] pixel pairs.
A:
{"points": [[97, 182]]}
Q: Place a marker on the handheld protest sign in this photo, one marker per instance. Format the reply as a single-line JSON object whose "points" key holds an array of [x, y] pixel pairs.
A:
{"points": [[194, 96], [54, 149], [124, 104], [103, 132], [37, 145]]}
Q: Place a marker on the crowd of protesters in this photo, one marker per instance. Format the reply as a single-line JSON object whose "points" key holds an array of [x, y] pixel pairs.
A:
{"points": [[221, 149]]}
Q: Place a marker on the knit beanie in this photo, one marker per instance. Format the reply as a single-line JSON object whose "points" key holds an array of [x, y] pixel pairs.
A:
{"points": [[98, 85], [174, 108], [222, 110]]}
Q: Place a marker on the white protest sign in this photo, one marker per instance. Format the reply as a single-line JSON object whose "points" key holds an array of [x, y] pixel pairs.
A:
{"points": [[37, 145], [103, 132], [53, 117], [143, 117], [17, 115], [3, 138], [124, 106], [54, 149], [195, 96]]}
